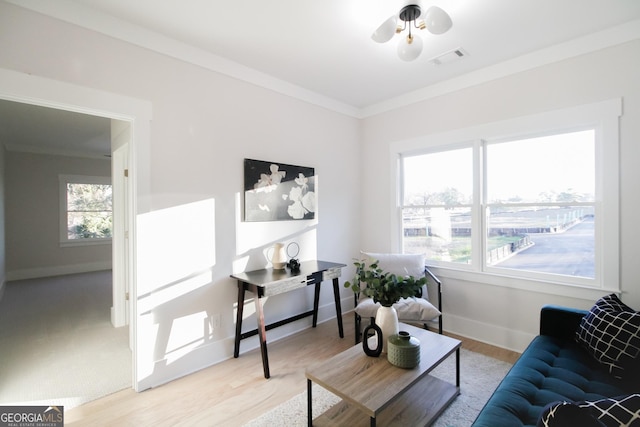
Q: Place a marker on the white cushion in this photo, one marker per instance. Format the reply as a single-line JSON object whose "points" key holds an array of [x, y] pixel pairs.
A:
{"points": [[400, 265], [409, 309]]}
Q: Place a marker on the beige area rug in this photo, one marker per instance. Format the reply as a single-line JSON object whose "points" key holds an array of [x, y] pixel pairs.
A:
{"points": [[57, 344], [479, 377]]}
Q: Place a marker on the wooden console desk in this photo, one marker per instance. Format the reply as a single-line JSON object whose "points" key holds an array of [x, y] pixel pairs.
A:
{"points": [[269, 282]]}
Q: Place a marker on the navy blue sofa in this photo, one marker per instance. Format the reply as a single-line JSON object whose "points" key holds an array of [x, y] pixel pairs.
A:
{"points": [[552, 368]]}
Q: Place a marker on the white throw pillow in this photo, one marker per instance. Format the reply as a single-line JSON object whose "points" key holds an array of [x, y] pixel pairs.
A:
{"points": [[409, 309]]}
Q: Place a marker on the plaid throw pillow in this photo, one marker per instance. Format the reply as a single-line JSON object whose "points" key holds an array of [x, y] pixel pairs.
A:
{"points": [[611, 333], [616, 411], [611, 412]]}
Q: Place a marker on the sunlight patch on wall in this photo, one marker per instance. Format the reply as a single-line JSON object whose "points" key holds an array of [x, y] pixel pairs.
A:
{"points": [[175, 243], [176, 253], [186, 335]]}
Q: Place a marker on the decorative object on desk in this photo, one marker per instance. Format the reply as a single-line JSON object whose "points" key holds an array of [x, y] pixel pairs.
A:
{"points": [[404, 350], [294, 265], [278, 257], [293, 249], [386, 289], [276, 191], [372, 352]]}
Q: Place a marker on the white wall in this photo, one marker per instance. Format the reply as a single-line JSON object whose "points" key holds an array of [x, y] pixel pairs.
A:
{"points": [[190, 234], [32, 217], [505, 316]]}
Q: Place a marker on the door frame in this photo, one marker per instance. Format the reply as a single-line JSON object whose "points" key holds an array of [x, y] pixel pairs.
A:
{"points": [[30, 89], [120, 240]]}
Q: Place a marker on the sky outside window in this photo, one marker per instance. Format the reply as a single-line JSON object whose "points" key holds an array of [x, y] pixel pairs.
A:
{"points": [[539, 169]]}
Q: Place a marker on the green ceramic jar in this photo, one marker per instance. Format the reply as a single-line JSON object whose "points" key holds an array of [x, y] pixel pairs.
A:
{"points": [[403, 350]]}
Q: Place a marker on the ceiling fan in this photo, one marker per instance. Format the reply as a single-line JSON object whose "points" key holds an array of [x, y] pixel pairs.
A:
{"points": [[435, 20]]}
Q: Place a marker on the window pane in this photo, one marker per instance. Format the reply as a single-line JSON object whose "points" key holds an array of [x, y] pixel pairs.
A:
{"points": [[444, 178], [442, 234], [89, 225], [556, 168], [88, 197], [547, 239], [89, 209]]}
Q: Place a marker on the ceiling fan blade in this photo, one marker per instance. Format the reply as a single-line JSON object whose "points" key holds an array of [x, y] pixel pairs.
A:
{"points": [[437, 20], [386, 30]]}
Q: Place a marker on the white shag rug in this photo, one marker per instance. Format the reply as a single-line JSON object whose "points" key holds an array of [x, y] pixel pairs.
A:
{"points": [[479, 377]]}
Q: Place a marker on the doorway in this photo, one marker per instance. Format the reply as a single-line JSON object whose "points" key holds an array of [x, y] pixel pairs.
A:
{"points": [[20, 87]]}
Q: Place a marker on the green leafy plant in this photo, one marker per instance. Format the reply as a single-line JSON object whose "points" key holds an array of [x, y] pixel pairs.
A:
{"points": [[385, 288]]}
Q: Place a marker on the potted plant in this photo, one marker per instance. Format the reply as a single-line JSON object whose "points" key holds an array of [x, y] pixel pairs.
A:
{"points": [[384, 288]]}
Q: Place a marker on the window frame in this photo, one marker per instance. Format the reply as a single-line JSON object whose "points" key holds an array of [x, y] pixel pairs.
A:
{"points": [[603, 117], [78, 179]]}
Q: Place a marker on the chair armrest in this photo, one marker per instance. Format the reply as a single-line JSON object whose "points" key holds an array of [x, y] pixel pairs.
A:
{"points": [[560, 322], [433, 277]]}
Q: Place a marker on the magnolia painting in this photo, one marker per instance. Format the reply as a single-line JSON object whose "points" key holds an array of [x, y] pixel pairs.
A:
{"points": [[276, 191]]}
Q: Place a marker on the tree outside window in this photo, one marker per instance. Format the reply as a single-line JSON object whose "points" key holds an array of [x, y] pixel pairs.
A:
{"points": [[87, 209]]}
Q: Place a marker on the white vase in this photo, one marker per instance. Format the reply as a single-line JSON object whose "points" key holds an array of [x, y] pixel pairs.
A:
{"points": [[278, 257], [387, 320]]}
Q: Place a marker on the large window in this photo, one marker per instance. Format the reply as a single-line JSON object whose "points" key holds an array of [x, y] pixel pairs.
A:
{"points": [[85, 210], [540, 205]]}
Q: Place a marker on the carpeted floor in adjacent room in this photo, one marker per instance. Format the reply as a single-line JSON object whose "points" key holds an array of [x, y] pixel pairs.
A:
{"points": [[57, 344]]}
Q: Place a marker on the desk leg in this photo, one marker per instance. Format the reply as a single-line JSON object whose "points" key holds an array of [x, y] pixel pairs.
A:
{"points": [[316, 302], [236, 347], [336, 297], [458, 368], [309, 405], [262, 334]]}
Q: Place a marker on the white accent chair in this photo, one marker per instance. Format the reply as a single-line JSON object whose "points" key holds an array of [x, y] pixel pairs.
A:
{"points": [[414, 310]]}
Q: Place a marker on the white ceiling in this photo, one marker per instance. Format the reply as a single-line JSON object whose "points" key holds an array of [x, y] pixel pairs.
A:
{"points": [[321, 50], [31, 128]]}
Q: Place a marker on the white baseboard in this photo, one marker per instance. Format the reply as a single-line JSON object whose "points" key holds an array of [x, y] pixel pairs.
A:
{"points": [[58, 270], [488, 333]]}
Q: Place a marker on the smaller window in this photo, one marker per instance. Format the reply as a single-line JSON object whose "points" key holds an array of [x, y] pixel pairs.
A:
{"points": [[85, 210], [437, 204]]}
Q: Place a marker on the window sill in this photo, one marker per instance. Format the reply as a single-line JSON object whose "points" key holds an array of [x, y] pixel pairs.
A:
{"points": [[588, 293], [80, 243]]}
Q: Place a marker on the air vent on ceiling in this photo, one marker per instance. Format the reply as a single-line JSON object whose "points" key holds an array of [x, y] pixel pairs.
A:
{"points": [[451, 56]]}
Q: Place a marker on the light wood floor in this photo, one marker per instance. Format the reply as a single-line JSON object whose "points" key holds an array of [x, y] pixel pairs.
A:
{"points": [[233, 392]]}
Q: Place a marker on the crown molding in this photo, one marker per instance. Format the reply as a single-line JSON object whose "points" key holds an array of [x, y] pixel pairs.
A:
{"points": [[576, 47], [86, 17], [91, 19]]}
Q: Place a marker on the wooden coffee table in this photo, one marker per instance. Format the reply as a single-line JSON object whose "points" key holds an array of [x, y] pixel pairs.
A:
{"points": [[373, 387]]}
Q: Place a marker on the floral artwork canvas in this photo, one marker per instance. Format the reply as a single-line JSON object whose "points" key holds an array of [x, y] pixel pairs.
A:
{"points": [[276, 191]]}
